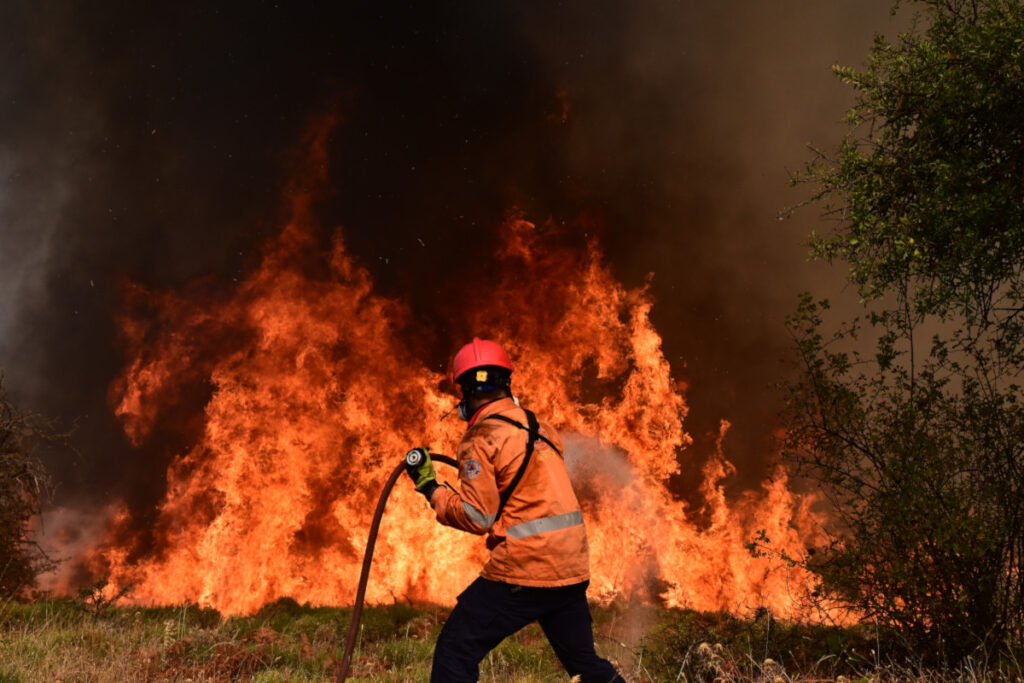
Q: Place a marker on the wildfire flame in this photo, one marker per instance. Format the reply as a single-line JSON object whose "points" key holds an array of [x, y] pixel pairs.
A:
{"points": [[312, 392]]}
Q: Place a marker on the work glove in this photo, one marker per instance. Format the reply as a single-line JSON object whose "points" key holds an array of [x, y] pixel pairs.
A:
{"points": [[422, 472]]}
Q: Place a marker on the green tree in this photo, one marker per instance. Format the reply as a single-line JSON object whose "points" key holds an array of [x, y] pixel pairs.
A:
{"points": [[23, 485], [911, 416]]}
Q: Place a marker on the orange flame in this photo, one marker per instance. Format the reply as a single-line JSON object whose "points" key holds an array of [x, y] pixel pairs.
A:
{"points": [[312, 392]]}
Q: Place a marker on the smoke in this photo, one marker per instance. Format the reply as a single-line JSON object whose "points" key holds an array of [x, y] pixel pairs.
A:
{"points": [[687, 120], [148, 145], [43, 160], [597, 469], [67, 535], [589, 460]]}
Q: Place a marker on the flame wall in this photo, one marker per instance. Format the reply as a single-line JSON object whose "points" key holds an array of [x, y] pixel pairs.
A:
{"points": [[315, 390]]}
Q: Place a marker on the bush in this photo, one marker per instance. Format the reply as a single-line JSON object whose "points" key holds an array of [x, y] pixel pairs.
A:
{"points": [[23, 487], [910, 416]]}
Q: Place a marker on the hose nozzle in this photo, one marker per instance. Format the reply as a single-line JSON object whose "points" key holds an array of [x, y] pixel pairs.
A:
{"points": [[414, 457]]}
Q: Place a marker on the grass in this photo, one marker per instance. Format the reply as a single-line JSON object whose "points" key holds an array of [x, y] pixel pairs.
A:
{"points": [[62, 640]]}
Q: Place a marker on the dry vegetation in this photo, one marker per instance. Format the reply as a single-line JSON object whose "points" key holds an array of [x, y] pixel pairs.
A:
{"points": [[66, 640]]}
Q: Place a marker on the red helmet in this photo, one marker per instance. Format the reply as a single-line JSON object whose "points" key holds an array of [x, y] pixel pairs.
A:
{"points": [[479, 353]]}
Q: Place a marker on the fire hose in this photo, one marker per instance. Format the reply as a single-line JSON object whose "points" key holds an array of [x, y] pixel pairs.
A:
{"points": [[413, 459]]}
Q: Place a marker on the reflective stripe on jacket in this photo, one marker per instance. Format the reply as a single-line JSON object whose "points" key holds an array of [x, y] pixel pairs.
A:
{"points": [[540, 539]]}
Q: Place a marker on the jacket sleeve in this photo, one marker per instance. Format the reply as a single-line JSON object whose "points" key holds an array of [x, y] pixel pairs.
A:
{"points": [[474, 506]]}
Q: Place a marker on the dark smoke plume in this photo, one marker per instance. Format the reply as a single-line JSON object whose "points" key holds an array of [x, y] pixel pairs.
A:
{"points": [[149, 144]]}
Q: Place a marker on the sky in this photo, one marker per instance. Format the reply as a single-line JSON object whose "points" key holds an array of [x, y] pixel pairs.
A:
{"points": [[149, 145]]}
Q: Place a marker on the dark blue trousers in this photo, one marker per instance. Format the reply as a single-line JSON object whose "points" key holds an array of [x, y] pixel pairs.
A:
{"points": [[488, 612]]}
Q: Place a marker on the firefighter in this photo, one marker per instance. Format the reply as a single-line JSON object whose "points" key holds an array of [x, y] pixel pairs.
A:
{"points": [[514, 487]]}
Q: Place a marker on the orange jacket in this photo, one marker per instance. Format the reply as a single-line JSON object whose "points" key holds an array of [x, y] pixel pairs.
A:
{"points": [[540, 539]]}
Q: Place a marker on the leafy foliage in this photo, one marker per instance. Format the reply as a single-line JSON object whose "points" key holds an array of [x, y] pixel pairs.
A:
{"points": [[23, 484], [911, 416]]}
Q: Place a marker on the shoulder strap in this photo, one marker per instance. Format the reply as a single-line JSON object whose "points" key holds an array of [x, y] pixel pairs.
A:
{"points": [[536, 434], [533, 434]]}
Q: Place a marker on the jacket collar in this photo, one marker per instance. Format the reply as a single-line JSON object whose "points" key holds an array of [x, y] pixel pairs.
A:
{"points": [[497, 406]]}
